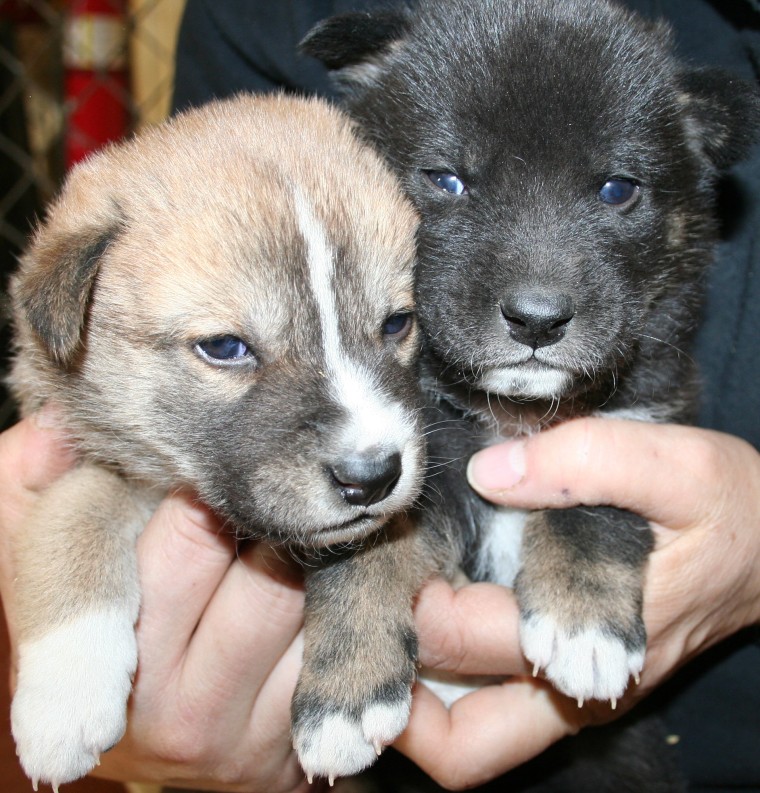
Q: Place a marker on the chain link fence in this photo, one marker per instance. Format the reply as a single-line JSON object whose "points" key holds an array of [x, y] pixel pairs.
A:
{"points": [[73, 75]]}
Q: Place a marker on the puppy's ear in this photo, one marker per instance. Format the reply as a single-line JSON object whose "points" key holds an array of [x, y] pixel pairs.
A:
{"points": [[53, 287], [723, 114], [356, 45]]}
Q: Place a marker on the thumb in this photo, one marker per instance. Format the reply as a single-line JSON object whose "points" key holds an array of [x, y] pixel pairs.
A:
{"points": [[34, 452], [667, 473]]}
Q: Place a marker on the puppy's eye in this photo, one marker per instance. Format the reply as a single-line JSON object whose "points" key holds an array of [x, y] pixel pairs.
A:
{"points": [[618, 192], [398, 325], [224, 351], [448, 182]]}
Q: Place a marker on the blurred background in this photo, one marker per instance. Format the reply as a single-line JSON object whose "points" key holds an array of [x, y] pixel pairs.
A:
{"points": [[74, 74]]}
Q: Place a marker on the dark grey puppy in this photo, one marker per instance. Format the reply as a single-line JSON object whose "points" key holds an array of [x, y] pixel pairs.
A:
{"points": [[563, 162]]}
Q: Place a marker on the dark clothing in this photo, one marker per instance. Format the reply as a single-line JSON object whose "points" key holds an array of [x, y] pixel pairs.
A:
{"points": [[712, 706], [226, 47]]}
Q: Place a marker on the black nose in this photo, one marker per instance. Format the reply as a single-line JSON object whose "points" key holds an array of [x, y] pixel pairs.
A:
{"points": [[365, 479], [537, 318]]}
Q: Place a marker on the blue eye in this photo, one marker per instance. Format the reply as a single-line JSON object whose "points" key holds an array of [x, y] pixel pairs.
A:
{"points": [[224, 350], [398, 325], [617, 192], [448, 182]]}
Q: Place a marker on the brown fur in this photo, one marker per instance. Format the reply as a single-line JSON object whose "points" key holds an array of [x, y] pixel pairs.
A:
{"points": [[574, 589], [365, 655], [74, 551], [201, 229]]}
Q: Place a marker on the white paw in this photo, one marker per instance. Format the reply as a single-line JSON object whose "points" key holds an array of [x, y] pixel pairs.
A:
{"points": [[70, 701], [339, 745], [588, 664]]}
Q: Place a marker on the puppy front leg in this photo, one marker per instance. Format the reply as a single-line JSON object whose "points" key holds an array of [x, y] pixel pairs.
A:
{"points": [[360, 652], [580, 592], [77, 598]]}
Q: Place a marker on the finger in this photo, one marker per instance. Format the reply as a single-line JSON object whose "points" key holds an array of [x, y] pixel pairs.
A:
{"points": [[486, 733], [472, 630], [268, 734], [34, 452], [252, 619], [183, 555], [216, 748], [666, 473]]}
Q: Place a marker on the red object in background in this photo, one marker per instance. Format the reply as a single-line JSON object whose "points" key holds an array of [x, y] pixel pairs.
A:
{"points": [[96, 83]]}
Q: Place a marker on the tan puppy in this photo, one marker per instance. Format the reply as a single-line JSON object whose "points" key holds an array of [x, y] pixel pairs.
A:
{"points": [[223, 304]]}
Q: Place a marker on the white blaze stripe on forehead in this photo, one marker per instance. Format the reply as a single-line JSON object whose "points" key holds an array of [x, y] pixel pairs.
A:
{"points": [[374, 419]]}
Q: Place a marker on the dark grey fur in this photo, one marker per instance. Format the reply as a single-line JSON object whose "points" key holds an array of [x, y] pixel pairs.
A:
{"points": [[534, 105]]}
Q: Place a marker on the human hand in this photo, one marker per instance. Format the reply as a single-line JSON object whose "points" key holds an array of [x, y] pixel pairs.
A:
{"points": [[219, 639], [700, 490]]}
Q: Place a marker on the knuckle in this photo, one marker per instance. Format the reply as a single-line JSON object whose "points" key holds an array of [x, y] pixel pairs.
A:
{"points": [[182, 744], [177, 749], [705, 457], [454, 777], [718, 468], [439, 632], [231, 773], [566, 455], [442, 648]]}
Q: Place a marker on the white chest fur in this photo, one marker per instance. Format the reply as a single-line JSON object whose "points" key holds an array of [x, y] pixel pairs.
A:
{"points": [[499, 553]]}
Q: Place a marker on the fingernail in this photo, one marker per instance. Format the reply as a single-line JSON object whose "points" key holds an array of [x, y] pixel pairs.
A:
{"points": [[497, 468]]}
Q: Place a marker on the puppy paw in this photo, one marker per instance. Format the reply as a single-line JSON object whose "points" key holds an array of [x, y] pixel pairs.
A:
{"points": [[333, 741], [70, 702], [586, 663]]}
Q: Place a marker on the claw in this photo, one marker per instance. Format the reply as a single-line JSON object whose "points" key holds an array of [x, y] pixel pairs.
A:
{"points": [[536, 669], [378, 747], [636, 678], [580, 702], [613, 703], [310, 778], [331, 780], [35, 785]]}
